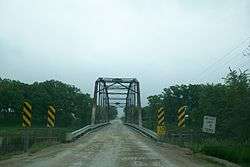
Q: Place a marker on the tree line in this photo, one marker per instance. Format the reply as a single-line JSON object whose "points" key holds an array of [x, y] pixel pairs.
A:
{"points": [[73, 108], [229, 102]]}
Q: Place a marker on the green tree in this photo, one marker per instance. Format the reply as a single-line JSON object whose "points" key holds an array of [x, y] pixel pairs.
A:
{"points": [[72, 106]]}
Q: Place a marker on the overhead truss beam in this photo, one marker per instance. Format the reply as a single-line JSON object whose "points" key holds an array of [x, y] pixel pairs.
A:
{"points": [[104, 98]]}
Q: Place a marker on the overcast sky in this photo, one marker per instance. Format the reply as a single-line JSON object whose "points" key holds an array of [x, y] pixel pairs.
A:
{"points": [[159, 42]]}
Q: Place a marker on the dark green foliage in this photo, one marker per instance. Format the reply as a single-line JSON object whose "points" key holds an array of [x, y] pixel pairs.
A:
{"points": [[149, 112], [237, 154], [73, 108], [229, 102]]}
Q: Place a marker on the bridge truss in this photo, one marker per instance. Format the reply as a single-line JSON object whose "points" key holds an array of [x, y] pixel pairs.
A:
{"points": [[117, 92]]}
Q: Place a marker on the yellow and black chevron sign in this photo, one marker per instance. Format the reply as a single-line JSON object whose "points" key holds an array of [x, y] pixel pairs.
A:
{"points": [[26, 115], [161, 128], [51, 117], [160, 116], [181, 116]]}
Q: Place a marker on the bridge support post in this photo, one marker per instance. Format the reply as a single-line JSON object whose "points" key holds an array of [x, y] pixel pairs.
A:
{"points": [[94, 104], [139, 105], [106, 103]]}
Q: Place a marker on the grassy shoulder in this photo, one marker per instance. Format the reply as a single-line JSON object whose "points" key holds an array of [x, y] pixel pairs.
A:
{"points": [[9, 155], [18, 129], [40, 146], [34, 148], [11, 139], [227, 149], [239, 154], [223, 149], [9, 130]]}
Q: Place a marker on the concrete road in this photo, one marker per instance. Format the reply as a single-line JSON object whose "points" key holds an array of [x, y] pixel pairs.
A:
{"points": [[112, 146]]}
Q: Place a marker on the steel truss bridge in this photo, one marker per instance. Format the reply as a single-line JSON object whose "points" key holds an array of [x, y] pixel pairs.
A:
{"points": [[95, 149], [117, 92]]}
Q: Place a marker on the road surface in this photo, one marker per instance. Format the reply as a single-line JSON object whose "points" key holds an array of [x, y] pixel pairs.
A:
{"points": [[112, 146]]}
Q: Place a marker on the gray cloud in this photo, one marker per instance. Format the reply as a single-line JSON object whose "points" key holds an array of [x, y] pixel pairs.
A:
{"points": [[159, 42]]}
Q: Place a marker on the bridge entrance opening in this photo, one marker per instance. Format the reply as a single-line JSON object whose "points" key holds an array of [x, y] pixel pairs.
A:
{"points": [[117, 92]]}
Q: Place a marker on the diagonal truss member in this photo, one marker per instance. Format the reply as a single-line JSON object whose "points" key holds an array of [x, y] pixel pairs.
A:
{"points": [[120, 93]]}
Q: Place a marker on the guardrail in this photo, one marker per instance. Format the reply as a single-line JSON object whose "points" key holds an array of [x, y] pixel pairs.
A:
{"points": [[73, 135], [143, 130]]}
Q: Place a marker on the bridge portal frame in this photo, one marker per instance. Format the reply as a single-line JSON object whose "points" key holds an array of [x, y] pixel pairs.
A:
{"points": [[106, 88]]}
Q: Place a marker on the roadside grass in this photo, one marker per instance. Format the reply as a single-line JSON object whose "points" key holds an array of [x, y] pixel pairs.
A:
{"points": [[10, 130], [227, 149], [224, 149], [34, 148], [9, 155], [40, 146], [39, 138], [17, 132], [18, 129], [237, 154]]}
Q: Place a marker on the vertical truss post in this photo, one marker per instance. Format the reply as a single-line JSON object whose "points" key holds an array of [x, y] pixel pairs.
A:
{"points": [[139, 105], [101, 108], [99, 103], [107, 102], [134, 101], [127, 109], [130, 110], [126, 112], [93, 115]]}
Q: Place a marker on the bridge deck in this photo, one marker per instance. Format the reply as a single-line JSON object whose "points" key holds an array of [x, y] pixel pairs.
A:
{"points": [[113, 146]]}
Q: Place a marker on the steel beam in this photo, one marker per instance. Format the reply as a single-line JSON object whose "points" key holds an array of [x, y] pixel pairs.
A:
{"points": [[139, 105], [108, 106], [93, 115], [109, 90], [117, 93], [117, 98]]}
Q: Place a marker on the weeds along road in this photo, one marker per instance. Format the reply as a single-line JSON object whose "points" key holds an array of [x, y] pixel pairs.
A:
{"points": [[112, 146]]}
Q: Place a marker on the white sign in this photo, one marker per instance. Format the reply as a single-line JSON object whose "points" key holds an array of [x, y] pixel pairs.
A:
{"points": [[209, 124]]}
